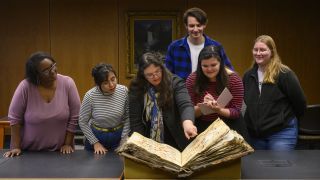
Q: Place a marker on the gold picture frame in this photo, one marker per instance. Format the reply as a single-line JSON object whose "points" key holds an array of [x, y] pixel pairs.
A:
{"points": [[149, 31]]}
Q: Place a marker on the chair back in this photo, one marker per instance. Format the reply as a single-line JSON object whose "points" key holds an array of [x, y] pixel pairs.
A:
{"points": [[310, 122]]}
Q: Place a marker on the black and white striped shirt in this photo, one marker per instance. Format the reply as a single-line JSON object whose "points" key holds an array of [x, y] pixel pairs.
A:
{"points": [[104, 110]]}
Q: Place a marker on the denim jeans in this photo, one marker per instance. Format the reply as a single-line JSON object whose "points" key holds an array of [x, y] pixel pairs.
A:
{"points": [[284, 140], [110, 140]]}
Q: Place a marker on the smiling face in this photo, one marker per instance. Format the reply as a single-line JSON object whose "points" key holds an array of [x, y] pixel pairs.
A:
{"points": [[110, 84], [261, 53], [210, 68], [194, 28], [153, 74]]}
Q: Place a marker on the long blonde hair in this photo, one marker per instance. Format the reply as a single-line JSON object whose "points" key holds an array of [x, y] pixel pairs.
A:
{"points": [[275, 66]]}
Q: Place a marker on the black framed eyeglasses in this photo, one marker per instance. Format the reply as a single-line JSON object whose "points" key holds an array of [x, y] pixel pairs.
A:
{"points": [[153, 75]]}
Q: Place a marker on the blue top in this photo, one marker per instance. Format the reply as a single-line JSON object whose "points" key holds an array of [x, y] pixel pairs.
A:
{"points": [[178, 59]]}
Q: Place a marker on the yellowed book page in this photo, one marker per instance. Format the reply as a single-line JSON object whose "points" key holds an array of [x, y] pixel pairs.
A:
{"points": [[164, 151], [204, 140]]}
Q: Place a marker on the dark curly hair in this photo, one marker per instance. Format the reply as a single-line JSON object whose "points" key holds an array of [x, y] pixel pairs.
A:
{"points": [[100, 73], [32, 64], [140, 84]]}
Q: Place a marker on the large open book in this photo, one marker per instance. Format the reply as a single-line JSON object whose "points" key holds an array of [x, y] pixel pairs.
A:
{"points": [[217, 144]]}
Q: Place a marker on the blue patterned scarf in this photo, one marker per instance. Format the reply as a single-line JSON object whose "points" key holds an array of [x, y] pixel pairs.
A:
{"points": [[154, 115]]}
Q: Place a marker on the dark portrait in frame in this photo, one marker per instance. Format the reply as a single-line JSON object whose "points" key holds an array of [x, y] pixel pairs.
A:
{"points": [[149, 31]]}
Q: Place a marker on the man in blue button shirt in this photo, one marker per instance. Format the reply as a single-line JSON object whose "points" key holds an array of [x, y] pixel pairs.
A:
{"points": [[182, 54]]}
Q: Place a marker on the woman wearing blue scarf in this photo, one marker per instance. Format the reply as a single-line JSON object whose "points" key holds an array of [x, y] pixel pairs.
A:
{"points": [[160, 107]]}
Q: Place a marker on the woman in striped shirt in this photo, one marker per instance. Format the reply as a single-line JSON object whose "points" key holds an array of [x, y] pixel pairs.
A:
{"points": [[104, 116], [207, 83]]}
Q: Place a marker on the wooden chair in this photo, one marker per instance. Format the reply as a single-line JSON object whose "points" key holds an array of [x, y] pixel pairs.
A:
{"points": [[309, 127], [4, 123]]}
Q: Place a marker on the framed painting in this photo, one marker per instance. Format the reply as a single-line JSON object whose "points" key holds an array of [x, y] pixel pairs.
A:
{"points": [[149, 31]]}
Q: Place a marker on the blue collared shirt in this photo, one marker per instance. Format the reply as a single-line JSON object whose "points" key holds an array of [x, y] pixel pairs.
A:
{"points": [[178, 58]]}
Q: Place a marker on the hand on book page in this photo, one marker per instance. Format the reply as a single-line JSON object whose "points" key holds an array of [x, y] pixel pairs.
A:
{"points": [[215, 145]]}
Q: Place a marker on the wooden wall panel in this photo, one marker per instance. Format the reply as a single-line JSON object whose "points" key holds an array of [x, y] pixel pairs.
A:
{"points": [[81, 33], [232, 23], [24, 29], [295, 28], [84, 33]]}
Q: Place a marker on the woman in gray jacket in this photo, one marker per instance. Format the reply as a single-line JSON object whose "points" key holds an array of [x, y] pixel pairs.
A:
{"points": [[159, 104]]}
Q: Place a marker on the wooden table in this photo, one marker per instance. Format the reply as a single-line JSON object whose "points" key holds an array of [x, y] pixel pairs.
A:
{"points": [[299, 164], [81, 164]]}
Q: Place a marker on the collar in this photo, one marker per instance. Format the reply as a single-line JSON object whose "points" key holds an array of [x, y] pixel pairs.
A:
{"points": [[104, 93]]}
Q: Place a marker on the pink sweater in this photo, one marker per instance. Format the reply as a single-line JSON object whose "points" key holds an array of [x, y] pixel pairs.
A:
{"points": [[44, 125]]}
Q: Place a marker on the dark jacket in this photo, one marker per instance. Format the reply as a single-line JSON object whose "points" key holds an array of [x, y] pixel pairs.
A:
{"points": [[180, 109], [278, 103]]}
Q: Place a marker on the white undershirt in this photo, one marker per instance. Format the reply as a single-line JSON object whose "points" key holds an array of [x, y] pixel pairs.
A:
{"points": [[260, 78], [194, 53]]}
